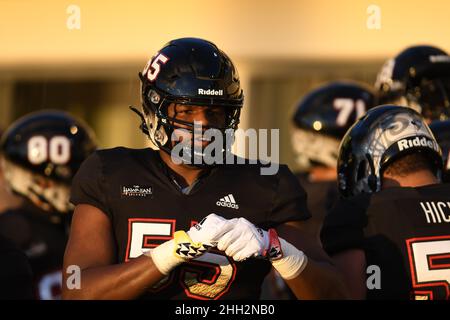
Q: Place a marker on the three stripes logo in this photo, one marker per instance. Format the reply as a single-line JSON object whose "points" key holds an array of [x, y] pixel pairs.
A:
{"points": [[228, 201]]}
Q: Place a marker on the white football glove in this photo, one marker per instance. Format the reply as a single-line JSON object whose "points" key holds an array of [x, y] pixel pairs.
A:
{"points": [[245, 240], [210, 229], [190, 245]]}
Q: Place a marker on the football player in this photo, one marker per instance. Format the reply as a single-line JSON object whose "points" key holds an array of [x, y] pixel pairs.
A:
{"points": [[390, 233], [320, 121], [441, 131], [15, 270], [40, 154], [129, 203], [418, 77]]}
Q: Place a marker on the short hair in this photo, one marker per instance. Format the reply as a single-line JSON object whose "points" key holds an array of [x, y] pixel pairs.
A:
{"points": [[410, 163]]}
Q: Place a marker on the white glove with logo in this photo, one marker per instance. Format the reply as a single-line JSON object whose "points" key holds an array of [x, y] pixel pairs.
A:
{"points": [[245, 240], [210, 229]]}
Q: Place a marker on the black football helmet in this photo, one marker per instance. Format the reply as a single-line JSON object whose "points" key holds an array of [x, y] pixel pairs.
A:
{"points": [[418, 77], [187, 71], [322, 118], [41, 153], [383, 135], [441, 131]]}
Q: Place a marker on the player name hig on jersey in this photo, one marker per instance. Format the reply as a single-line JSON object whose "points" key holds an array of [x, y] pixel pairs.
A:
{"points": [[228, 201]]}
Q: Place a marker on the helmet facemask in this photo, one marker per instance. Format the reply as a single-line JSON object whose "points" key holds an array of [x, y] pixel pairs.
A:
{"points": [[166, 132], [432, 95], [47, 194], [313, 148]]}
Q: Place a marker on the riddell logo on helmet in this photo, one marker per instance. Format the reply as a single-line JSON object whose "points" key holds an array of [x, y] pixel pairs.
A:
{"points": [[417, 142], [210, 92]]}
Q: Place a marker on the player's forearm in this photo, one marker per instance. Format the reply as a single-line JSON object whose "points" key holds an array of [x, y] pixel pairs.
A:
{"points": [[319, 280], [121, 281]]}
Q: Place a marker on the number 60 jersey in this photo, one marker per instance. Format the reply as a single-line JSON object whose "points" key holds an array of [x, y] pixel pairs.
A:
{"points": [[403, 231], [146, 207]]}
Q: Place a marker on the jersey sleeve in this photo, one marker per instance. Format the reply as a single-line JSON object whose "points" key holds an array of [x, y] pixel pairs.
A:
{"points": [[289, 202], [88, 185], [343, 227]]}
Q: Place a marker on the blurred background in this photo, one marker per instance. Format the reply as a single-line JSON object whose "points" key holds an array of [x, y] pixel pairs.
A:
{"points": [[83, 56]]}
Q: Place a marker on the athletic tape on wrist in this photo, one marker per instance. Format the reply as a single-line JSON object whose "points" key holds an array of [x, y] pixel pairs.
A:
{"points": [[292, 263]]}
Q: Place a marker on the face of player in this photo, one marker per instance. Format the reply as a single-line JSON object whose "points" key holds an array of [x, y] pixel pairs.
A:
{"points": [[207, 117]]}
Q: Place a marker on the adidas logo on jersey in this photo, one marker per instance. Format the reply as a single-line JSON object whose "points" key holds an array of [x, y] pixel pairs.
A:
{"points": [[210, 92], [416, 142], [228, 202]]}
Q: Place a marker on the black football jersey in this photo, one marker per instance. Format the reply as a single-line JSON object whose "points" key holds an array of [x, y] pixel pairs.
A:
{"points": [[146, 207], [15, 272], [43, 242], [403, 231]]}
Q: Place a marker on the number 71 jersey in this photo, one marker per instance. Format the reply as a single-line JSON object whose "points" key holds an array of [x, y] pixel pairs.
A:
{"points": [[145, 206], [403, 231]]}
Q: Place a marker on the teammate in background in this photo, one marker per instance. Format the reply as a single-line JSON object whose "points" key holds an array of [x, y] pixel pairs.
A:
{"points": [[40, 154], [130, 202], [15, 270], [393, 220], [320, 121], [418, 77], [441, 131]]}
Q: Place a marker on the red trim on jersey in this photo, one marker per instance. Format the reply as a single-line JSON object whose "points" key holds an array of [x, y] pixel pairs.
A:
{"points": [[429, 294], [201, 264], [145, 244], [433, 261], [130, 223], [212, 281], [415, 284]]}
